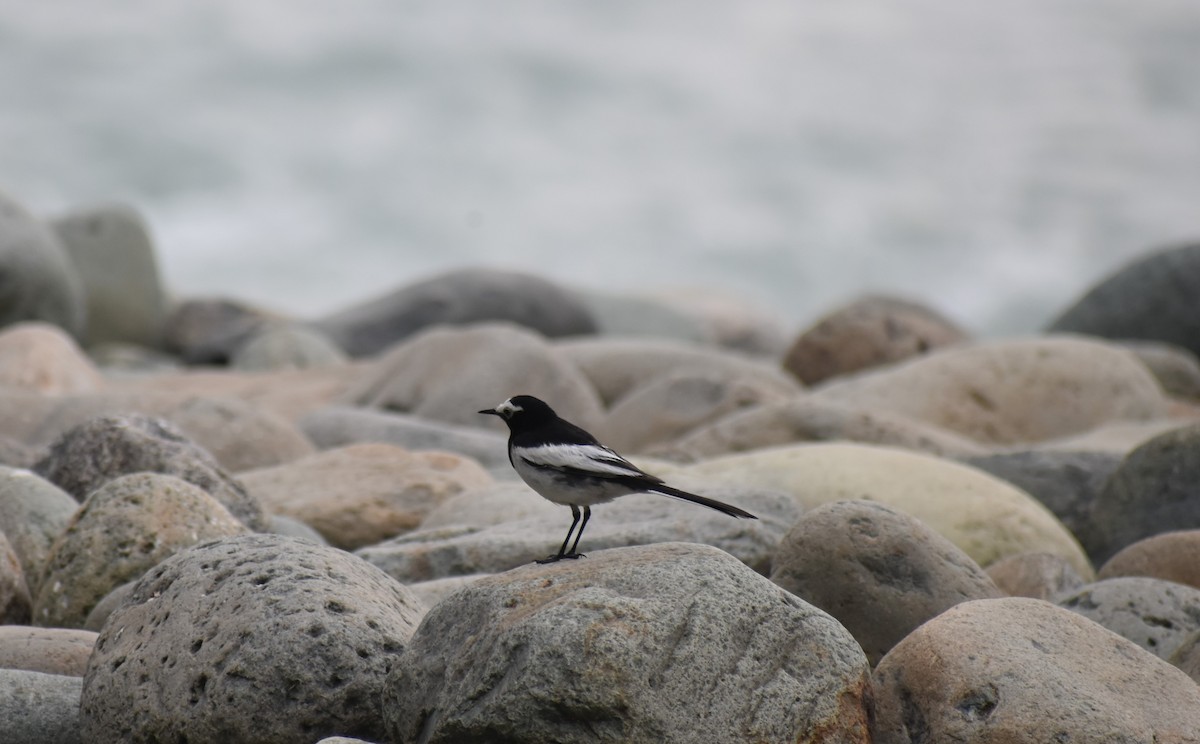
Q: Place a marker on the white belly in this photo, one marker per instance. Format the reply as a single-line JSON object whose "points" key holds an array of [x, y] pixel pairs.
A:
{"points": [[559, 490]]}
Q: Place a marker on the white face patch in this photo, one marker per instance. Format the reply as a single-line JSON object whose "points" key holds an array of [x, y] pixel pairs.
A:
{"points": [[508, 408]]}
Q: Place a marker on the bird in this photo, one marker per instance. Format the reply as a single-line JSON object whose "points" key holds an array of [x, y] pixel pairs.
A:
{"points": [[567, 465]]}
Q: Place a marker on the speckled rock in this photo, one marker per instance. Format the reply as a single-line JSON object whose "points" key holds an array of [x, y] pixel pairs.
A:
{"points": [[1156, 615], [1170, 556], [337, 426], [37, 708], [804, 419], [675, 404], [1155, 489], [662, 643], [869, 332], [617, 366], [278, 346], [123, 529], [111, 248], [1012, 391], [47, 650], [104, 448], [1036, 575], [15, 602], [33, 513], [984, 516], [458, 297], [41, 283], [878, 571], [254, 638], [449, 374], [1067, 483], [43, 358], [365, 493], [638, 519], [1151, 298], [1022, 671]]}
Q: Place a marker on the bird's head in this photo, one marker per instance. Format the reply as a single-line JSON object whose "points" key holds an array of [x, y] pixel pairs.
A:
{"points": [[521, 410]]}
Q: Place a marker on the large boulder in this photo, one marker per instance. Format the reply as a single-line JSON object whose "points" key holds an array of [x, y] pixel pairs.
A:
{"points": [[40, 282], [1022, 671], [1012, 391], [1151, 298], [458, 297], [111, 248], [662, 643], [254, 638]]}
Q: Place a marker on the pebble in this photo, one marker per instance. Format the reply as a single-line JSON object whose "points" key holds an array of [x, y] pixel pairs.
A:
{"points": [[878, 571], [39, 708], [365, 493], [43, 358], [872, 331], [1022, 670], [33, 513], [1037, 575], [46, 650], [669, 642], [252, 638], [278, 346], [1155, 614], [1170, 556]]}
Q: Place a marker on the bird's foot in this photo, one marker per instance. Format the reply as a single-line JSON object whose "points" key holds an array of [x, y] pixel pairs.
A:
{"points": [[559, 557]]}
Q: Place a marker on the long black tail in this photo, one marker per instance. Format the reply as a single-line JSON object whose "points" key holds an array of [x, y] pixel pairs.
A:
{"points": [[720, 506]]}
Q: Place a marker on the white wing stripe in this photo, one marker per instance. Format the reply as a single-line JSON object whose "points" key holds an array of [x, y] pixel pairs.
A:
{"points": [[585, 457]]}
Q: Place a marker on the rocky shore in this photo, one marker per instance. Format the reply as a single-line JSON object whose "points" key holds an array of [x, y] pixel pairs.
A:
{"points": [[221, 524]]}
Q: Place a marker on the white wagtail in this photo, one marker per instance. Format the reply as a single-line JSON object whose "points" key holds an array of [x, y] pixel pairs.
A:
{"points": [[566, 465]]}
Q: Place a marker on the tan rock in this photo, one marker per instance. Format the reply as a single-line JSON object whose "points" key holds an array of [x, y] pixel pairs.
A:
{"points": [[47, 650], [42, 358], [1036, 575], [364, 493], [1171, 556], [1013, 391]]}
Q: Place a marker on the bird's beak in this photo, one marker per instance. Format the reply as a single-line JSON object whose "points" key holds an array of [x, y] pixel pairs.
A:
{"points": [[490, 412]]}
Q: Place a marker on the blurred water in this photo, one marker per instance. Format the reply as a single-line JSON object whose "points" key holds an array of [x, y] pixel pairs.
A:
{"points": [[992, 159]]}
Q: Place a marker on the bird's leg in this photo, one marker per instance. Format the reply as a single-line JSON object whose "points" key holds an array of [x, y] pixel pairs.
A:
{"points": [[587, 514], [562, 552]]}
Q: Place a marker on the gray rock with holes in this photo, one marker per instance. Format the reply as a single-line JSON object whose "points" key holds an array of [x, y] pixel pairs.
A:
{"points": [[257, 638], [1155, 614]]}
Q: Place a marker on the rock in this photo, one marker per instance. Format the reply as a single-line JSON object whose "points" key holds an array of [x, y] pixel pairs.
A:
{"points": [[124, 528], [15, 603], [432, 592], [33, 513], [672, 405], [240, 435], [1119, 438], [1175, 368], [38, 708], [1037, 575], [1170, 556], [632, 316], [1156, 615], [638, 519], [287, 346], [43, 358], [1151, 298], [111, 248], [985, 517], [111, 601], [805, 419], [254, 638], [1187, 657], [210, 331], [1011, 392], [40, 283], [1015, 670], [456, 298], [617, 366], [872, 331], [448, 374], [878, 571], [511, 501], [364, 493], [1155, 489], [1067, 483], [130, 360], [104, 448], [46, 650], [665, 643], [735, 323], [337, 426], [281, 525], [14, 454]]}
